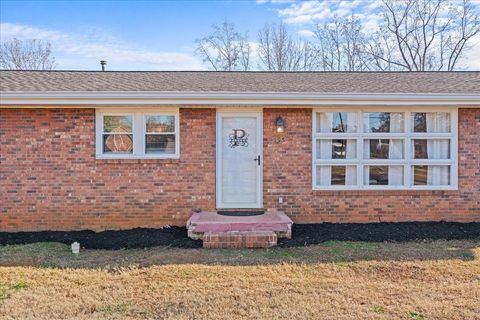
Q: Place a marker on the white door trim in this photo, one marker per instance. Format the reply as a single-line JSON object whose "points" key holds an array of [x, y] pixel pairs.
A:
{"points": [[259, 137]]}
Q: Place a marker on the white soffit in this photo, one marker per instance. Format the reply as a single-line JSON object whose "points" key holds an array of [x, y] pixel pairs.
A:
{"points": [[290, 99]]}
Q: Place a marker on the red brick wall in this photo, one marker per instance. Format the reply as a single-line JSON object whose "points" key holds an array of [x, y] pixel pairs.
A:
{"points": [[50, 179], [287, 174]]}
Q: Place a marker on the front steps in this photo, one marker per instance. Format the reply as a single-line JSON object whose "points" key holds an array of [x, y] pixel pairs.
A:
{"points": [[219, 231], [239, 239]]}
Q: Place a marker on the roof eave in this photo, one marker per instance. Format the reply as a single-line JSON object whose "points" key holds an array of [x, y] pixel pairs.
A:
{"points": [[89, 98]]}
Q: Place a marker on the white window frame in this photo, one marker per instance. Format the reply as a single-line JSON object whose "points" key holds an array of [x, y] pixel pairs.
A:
{"points": [[138, 132], [407, 137]]}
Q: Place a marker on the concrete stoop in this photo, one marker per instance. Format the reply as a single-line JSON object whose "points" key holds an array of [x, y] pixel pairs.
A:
{"points": [[219, 231]]}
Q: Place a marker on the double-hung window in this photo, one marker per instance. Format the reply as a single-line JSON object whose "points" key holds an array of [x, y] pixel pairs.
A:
{"points": [[384, 149], [135, 134]]}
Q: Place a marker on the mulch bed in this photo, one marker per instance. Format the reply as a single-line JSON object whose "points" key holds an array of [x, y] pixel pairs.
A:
{"points": [[113, 240], [308, 234], [303, 235]]}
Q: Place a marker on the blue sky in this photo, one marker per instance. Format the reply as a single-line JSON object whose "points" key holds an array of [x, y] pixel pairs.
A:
{"points": [[159, 35]]}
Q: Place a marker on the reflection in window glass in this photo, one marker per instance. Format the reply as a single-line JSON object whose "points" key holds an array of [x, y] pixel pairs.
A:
{"points": [[383, 149], [336, 149], [340, 149], [379, 148], [420, 149], [336, 175], [378, 175], [420, 175], [383, 122], [159, 144], [117, 124], [431, 175], [432, 122], [117, 143], [160, 124], [117, 137], [419, 122], [339, 122], [431, 148], [384, 175]]}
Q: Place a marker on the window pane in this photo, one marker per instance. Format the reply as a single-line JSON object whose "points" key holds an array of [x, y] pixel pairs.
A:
{"points": [[383, 149], [336, 175], [377, 175], [435, 122], [419, 122], [117, 143], [383, 122], [420, 175], [336, 122], [164, 143], [160, 123], [383, 175], [431, 148], [336, 149], [117, 124], [431, 175]]}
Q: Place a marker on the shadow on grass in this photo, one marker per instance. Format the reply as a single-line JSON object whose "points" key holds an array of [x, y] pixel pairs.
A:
{"points": [[58, 255]]}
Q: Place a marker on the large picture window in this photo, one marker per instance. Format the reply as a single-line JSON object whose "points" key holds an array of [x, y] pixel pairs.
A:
{"points": [[127, 133], [384, 149]]}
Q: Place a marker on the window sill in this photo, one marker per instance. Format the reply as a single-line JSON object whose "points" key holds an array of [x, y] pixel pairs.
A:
{"points": [[383, 189], [137, 157]]}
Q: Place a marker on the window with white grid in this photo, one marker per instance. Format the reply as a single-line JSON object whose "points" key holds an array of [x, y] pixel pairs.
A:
{"points": [[125, 133], [390, 148]]}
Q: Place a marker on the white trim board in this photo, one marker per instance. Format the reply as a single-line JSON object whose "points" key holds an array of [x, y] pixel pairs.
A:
{"points": [[109, 98]]}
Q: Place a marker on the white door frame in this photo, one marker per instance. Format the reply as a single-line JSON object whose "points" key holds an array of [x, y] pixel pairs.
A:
{"points": [[258, 113]]}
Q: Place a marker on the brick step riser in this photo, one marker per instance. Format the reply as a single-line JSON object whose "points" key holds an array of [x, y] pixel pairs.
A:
{"points": [[237, 240]]}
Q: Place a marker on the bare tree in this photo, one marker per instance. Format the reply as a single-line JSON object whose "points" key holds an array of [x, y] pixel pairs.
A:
{"points": [[340, 45], [328, 46], [420, 35], [380, 51], [225, 49], [353, 43], [26, 55], [245, 52], [279, 51]]}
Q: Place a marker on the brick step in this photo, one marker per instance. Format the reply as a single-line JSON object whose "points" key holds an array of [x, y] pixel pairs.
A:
{"points": [[239, 239], [203, 222]]}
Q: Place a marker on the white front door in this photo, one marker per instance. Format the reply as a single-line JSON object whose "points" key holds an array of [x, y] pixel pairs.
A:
{"points": [[239, 160]]}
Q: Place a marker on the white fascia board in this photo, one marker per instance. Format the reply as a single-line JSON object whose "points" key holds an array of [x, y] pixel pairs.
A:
{"points": [[105, 98]]}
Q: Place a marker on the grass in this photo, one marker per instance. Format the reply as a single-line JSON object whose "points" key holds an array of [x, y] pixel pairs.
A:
{"points": [[335, 280], [416, 316], [120, 307], [7, 289], [378, 309]]}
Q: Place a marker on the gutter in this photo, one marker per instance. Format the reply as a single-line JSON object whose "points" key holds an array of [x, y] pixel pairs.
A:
{"points": [[105, 98]]}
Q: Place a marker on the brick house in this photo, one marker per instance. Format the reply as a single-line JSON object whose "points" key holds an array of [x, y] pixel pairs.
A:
{"points": [[118, 150]]}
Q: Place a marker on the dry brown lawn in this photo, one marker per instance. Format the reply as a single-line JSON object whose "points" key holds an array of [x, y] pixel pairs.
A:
{"points": [[336, 280]]}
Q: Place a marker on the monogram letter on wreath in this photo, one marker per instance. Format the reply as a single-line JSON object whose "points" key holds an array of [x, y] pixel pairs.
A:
{"points": [[238, 138]]}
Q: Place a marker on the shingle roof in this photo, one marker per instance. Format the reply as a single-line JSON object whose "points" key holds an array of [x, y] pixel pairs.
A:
{"points": [[208, 81]]}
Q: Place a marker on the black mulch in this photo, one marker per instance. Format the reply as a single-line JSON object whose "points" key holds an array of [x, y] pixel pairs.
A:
{"points": [[308, 234], [303, 235], [113, 240]]}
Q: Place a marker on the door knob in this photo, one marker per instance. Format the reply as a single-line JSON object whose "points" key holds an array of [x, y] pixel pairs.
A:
{"points": [[257, 159]]}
